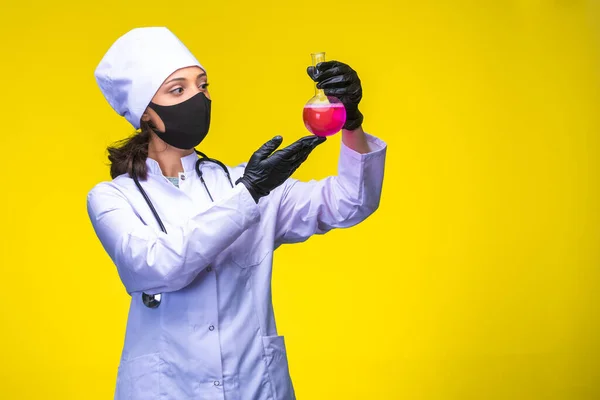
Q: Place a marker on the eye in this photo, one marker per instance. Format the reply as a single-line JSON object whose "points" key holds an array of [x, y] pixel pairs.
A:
{"points": [[204, 86], [176, 90]]}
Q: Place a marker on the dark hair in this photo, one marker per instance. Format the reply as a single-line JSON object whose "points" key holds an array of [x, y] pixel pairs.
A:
{"points": [[129, 155]]}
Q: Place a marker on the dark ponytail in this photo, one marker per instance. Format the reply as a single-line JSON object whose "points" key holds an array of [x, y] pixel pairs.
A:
{"points": [[129, 155]]}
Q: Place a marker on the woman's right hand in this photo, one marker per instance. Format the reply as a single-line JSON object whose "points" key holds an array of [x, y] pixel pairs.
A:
{"points": [[264, 173]]}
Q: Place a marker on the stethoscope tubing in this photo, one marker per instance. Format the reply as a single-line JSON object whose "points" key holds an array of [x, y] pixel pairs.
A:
{"points": [[153, 301]]}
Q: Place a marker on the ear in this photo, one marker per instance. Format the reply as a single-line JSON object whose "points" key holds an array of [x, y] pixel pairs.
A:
{"points": [[145, 116]]}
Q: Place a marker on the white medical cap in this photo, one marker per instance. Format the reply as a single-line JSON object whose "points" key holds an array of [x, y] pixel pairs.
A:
{"points": [[136, 65]]}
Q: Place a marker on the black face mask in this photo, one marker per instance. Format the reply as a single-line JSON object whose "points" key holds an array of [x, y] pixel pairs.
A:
{"points": [[186, 124]]}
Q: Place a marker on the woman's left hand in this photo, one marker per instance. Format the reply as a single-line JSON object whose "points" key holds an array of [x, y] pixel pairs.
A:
{"points": [[339, 80]]}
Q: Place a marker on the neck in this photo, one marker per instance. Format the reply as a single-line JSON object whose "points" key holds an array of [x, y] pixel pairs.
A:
{"points": [[168, 157]]}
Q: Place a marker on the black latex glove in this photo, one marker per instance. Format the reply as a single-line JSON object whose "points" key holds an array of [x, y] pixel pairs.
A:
{"points": [[264, 173], [339, 80]]}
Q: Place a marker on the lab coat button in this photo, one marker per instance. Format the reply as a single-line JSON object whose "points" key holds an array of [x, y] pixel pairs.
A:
{"points": [[182, 177], [211, 328], [217, 383]]}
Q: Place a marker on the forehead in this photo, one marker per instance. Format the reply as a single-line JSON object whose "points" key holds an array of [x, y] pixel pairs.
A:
{"points": [[192, 72]]}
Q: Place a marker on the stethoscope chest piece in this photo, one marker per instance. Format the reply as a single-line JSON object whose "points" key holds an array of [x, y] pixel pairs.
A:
{"points": [[151, 300]]}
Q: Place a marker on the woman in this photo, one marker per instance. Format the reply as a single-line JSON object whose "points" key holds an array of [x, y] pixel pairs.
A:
{"points": [[193, 242]]}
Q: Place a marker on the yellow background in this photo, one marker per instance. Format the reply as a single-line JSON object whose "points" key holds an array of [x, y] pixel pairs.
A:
{"points": [[478, 278]]}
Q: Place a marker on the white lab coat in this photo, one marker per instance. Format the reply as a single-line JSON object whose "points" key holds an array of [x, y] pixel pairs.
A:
{"points": [[214, 335]]}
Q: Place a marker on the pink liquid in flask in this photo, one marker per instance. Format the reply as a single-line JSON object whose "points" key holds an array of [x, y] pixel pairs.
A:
{"points": [[324, 119]]}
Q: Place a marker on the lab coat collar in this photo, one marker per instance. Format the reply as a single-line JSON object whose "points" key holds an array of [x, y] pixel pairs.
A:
{"points": [[188, 162]]}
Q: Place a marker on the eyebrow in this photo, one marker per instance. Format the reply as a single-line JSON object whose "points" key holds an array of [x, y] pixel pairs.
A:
{"points": [[183, 79]]}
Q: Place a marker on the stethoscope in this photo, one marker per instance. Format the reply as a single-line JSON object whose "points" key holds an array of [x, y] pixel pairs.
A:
{"points": [[153, 300]]}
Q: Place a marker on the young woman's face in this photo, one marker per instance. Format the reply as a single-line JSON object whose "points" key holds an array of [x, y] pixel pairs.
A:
{"points": [[178, 87]]}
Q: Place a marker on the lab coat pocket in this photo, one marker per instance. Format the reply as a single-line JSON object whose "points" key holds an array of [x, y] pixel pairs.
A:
{"points": [[142, 377], [248, 250], [277, 367]]}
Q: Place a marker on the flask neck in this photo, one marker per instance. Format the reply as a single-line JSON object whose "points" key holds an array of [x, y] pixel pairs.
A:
{"points": [[317, 58], [319, 92]]}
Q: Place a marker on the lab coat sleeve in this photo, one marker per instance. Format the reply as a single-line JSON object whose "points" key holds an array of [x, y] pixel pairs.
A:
{"points": [[156, 262], [340, 201]]}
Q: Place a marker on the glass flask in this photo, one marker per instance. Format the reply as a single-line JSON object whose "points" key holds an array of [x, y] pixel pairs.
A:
{"points": [[323, 115]]}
